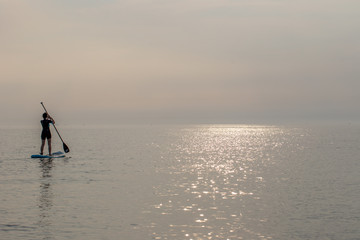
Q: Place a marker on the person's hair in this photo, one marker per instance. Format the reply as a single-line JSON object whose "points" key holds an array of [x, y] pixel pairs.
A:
{"points": [[45, 115]]}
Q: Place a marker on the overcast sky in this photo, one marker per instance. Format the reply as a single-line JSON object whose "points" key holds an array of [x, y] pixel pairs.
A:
{"points": [[201, 61]]}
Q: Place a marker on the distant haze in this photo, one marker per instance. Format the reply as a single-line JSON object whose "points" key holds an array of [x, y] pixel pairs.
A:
{"points": [[200, 61]]}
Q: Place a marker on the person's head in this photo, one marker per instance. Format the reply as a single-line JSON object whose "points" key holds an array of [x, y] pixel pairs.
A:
{"points": [[45, 115]]}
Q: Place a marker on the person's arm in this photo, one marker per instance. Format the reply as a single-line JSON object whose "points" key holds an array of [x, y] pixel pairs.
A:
{"points": [[52, 120]]}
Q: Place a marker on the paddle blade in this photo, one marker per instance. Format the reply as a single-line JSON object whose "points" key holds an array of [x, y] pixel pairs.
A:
{"points": [[66, 149]]}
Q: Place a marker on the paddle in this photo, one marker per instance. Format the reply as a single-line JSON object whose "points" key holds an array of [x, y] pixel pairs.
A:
{"points": [[66, 148]]}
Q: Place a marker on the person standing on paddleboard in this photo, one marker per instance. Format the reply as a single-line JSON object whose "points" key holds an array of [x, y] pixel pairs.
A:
{"points": [[46, 134]]}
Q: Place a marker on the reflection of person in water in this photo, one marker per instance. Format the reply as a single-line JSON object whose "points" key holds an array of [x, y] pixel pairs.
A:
{"points": [[46, 195]]}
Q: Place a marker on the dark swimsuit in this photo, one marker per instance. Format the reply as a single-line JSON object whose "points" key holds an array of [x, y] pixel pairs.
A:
{"points": [[46, 129]]}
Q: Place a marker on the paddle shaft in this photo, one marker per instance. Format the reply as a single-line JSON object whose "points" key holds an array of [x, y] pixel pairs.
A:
{"points": [[65, 146]]}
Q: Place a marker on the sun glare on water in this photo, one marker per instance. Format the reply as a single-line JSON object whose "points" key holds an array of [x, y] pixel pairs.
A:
{"points": [[217, 173]]}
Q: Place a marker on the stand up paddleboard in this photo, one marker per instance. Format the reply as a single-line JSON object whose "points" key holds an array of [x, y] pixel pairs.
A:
{"points": [[54, 155]]}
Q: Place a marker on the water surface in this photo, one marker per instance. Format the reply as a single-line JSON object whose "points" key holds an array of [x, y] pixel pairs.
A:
{"points": [[182, 182]]}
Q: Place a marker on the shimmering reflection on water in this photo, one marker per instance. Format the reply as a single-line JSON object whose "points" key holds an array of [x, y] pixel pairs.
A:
{"points": [[217, 183]]}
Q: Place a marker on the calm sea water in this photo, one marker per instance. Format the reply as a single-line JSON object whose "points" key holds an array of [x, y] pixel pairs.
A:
{"points": [[182, 182]]}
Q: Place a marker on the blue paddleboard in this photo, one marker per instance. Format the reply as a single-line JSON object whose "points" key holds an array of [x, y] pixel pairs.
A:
{"points": [[54, 155]]}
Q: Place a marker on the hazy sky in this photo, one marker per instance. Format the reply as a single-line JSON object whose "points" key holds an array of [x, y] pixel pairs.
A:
{"points": [[180, 60]]}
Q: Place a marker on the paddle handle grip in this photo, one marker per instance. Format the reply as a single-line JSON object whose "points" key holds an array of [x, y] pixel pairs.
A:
{"points": [[42, 104]]}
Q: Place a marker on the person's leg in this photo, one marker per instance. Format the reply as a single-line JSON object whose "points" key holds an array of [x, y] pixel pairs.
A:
{"points": [[49, 145], [42, 146]]}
